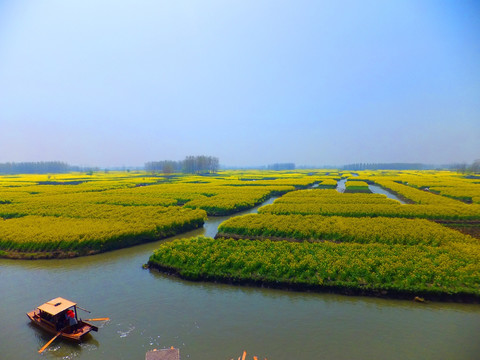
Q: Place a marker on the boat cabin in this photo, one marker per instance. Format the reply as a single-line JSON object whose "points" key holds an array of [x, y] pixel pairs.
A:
{"points": [[59, 312], [59, 315]]}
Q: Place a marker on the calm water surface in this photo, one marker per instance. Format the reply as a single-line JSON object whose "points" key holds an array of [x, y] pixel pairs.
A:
{"points": [[379, 190], [341, 185], [211, 321]]}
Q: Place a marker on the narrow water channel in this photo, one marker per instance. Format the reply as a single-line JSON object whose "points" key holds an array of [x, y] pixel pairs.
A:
{"points": [[214, 321], [379, 190], [211, 225], [341, 185], [373, 188]]}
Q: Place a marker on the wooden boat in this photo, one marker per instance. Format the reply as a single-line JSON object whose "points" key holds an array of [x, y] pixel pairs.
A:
{"points": [[59, 316]]}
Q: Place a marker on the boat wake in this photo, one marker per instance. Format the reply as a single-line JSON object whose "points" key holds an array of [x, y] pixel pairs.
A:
{"points": [[126, 332]]}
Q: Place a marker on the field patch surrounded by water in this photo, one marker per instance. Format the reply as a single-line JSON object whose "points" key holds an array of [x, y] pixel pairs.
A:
{"points": [[67, 215], [349, 241], [346, 239]]}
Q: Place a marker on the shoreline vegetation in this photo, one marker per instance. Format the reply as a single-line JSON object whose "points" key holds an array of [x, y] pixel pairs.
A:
{"points": [[311, 238], [389, 271], [59, 238]]}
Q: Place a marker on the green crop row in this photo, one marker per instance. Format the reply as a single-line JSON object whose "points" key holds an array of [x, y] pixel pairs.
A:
{"points": [[333, 197], [81, 236], [328, 184], [471, 212], [418, 196], [342, 229], [417, 270], [234, 201], [356, 185], [331, 203]]}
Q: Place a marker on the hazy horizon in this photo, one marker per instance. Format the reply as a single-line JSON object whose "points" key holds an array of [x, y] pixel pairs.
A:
{"points": [[121, 83], [222, 166]]}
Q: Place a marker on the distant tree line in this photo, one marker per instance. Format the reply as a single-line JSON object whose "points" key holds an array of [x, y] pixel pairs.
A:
{"points": [[385, 166], [42, 167], [464, 168], [165, 166], [191, 165], [281, 166], [200, 164]]}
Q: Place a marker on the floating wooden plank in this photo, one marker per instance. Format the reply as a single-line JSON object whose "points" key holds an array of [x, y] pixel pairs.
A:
{"points": [[163, 354]]}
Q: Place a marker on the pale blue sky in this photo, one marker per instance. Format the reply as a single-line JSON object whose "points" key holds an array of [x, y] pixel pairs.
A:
{"points": [[111, 83]]}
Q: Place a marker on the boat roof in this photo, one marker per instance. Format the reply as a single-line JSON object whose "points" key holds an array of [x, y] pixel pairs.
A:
{"points": [[56, 306]]}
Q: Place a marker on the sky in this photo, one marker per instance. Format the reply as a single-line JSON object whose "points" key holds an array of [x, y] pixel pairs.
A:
{"points": [[120, 83]]}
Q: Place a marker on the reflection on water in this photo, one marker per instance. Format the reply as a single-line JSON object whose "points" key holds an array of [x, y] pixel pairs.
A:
{"points": [[217, 321]]}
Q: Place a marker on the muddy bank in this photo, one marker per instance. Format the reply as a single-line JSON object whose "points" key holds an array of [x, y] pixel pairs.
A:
{"points": [[18, 255], [466, 227]]}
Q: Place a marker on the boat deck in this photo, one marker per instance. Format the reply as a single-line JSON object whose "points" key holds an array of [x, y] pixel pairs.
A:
{"points": [[75, 333]]}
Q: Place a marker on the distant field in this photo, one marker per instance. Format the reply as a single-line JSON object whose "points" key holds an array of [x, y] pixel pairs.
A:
{"points": [[354, 242], [50, 216]]}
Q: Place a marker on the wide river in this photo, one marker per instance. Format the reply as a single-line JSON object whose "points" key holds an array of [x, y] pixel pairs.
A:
{"points": [[212, 321]]}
